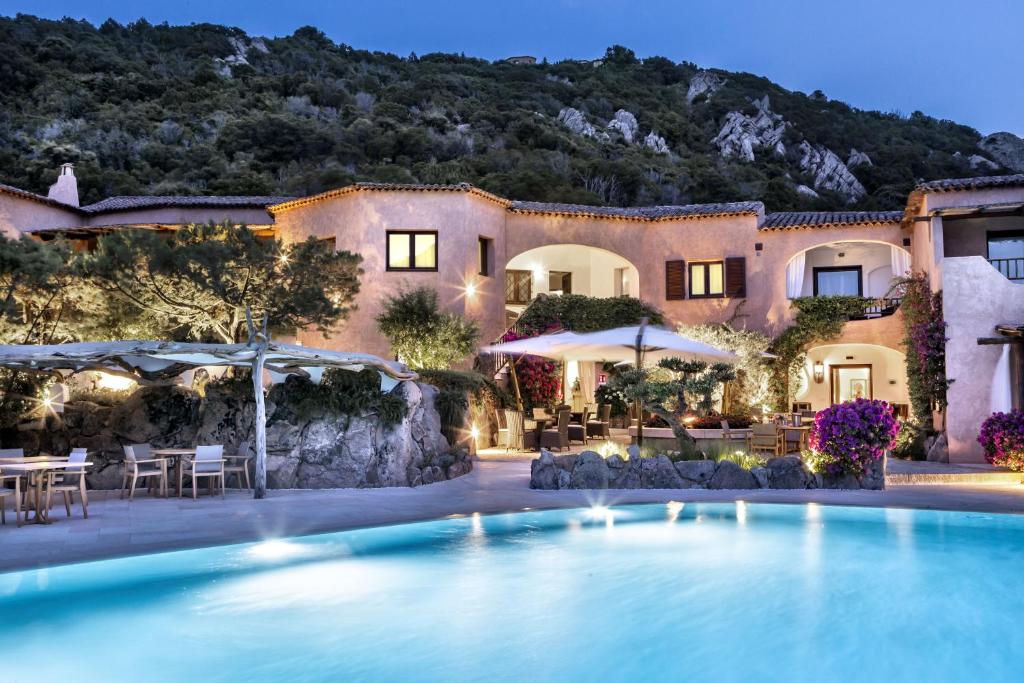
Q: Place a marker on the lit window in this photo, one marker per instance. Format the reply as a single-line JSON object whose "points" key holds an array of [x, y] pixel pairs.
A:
{"points": [[707, 279], [412, 250]]}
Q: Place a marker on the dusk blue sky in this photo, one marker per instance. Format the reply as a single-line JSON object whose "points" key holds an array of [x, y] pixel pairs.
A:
{"points": [[948, 58]]}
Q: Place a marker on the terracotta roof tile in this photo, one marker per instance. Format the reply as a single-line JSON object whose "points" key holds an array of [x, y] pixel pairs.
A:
{"points": [[788, 220], [128, 203], [642, 213], [978, 183]]}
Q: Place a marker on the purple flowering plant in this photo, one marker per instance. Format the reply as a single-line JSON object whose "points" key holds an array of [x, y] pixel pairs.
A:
{"points": [[1002, 437], [847, 437]]}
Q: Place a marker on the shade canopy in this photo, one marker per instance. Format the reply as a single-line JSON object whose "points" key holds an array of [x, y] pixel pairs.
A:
{"points": [[615, 346], [161, 360]]}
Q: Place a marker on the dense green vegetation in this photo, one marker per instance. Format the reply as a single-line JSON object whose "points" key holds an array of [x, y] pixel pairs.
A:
{"points": [[143, 109]]}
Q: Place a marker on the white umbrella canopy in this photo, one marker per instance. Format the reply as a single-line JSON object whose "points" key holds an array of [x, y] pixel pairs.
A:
{"points": [[614, 346], [544, 345]]}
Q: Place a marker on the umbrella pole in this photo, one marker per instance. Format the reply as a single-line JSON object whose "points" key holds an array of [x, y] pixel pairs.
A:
{"points": [[515, 382], [638, 405]]}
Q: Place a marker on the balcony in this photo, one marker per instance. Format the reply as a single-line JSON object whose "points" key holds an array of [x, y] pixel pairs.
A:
{"points": [[1011, 268], [882, 308]]}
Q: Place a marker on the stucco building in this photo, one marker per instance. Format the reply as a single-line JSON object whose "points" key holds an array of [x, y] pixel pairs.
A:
{"points": [[489, 256]]}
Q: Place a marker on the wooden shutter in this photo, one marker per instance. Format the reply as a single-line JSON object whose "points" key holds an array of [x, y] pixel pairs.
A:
{"points": [[675, 280], [736, 276]]}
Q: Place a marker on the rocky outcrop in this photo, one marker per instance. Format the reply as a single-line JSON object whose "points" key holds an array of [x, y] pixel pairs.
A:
{"points": [[808, 192], [980, 163], [241, 47], [742, 134], [589, 470], [1006, 148], [574, 120], [858, 159], [319, 451], [625, 124], [703, 83], [829, 172], [656, 142]]}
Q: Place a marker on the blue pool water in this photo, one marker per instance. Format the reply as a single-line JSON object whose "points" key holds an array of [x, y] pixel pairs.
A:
{"points": [[647, 593]]}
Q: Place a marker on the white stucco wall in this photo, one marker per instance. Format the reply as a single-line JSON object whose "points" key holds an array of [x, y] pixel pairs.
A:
{"points": [[975, 298], [889, 378], [875, 260], [592, 269]]}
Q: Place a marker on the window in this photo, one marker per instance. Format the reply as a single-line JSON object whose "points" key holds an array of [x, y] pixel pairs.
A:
{"points": [[707, 279], [518, 286], [484, 247], [559, 282], [1006, 253], [412, 250], [838, 281]]}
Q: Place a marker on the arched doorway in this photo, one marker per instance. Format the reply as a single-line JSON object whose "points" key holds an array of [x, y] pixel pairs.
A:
{"points": [[567, 269], [836, 373]]}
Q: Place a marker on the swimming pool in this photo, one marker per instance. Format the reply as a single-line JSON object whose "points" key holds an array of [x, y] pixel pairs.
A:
{"points": [[638, 593]]}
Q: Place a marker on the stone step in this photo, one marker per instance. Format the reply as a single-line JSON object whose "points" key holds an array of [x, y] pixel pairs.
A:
{"points": [[1003, 478]]}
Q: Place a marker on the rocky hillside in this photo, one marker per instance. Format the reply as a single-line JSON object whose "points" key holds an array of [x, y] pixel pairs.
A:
{"points": [[145, 109]]}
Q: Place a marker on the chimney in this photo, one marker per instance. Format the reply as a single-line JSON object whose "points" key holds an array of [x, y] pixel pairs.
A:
{"points": [[65, 190]]}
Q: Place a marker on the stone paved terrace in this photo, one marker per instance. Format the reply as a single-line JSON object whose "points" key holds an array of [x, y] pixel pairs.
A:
{"points": [[117, 527]]}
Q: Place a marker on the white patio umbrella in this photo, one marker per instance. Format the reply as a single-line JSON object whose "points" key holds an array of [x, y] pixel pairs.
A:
{"points": [[630, 344]]}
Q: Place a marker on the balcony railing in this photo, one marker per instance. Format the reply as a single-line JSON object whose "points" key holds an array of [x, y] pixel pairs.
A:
{"points": [[1011, 268], [879, 309]]}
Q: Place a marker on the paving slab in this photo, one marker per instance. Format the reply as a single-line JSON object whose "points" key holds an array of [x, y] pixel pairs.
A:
{"points": [[117, 527]]}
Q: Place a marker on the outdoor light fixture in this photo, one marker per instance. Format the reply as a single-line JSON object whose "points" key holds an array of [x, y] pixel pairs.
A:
{"points": [[819, 372], [470, 290]]}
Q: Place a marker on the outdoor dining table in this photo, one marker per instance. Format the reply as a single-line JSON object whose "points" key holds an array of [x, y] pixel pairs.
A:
{"points": [[180, 455], [541, 424], [176, 455], [37, 471]]}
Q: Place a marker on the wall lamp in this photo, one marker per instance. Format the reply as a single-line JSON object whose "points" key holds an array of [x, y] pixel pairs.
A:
{"points": [[819, 372]]}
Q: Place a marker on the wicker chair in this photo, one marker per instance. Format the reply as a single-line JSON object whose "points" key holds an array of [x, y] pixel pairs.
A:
{"points": [[518, 437], [559, 436], [601, 427], [766, 438], [578, 431]]}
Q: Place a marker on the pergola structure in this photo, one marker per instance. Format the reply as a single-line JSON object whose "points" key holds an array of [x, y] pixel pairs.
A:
{"points": [[153, 361]]}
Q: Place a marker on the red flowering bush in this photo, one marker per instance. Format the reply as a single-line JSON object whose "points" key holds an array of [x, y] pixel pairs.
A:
{"points": [[848, 437], [1002, 437], [540, 379]]}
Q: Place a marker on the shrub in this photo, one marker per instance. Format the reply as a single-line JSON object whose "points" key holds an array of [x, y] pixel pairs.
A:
{"points": [[714, 421], [847, 437], [1002, 437], [421, 335], [581, 313], [340, 392]]}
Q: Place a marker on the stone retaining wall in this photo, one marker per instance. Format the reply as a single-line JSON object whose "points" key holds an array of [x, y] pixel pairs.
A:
{"points": [[588, 470], [326, 451]]}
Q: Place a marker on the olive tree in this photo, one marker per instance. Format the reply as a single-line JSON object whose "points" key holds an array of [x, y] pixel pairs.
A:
{"points": [[421, 335], [198, 281], [674, 389]]}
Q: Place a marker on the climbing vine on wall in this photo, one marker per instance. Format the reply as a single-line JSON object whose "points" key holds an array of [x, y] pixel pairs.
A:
{"points": [[818, 319], [925, 343]]}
